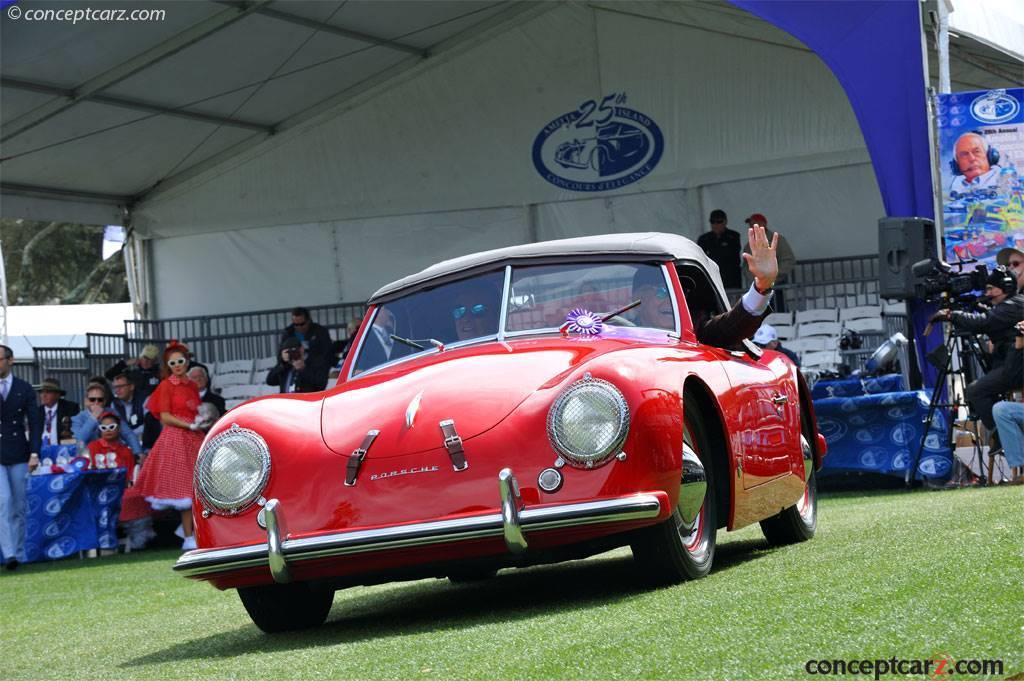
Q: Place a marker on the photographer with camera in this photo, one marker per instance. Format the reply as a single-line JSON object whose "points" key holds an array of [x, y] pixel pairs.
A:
{"points": [[1009, 417], [291, 372], [999, 324]]}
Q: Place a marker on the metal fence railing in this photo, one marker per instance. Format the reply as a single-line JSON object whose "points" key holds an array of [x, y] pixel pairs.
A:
{"points": [[819, 283]]}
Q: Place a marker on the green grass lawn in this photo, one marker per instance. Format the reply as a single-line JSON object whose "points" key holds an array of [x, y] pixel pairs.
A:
{"points": [[910, 575]]}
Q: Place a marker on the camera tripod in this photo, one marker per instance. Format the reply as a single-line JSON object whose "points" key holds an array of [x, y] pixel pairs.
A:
{"points": [[970, 353]]}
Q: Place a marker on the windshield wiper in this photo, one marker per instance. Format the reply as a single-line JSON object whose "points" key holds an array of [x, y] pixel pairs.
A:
{"points": [[627, 308], [413, 344]]}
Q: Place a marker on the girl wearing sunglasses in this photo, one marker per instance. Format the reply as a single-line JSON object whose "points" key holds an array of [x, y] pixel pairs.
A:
{"points": [[166, 479]]}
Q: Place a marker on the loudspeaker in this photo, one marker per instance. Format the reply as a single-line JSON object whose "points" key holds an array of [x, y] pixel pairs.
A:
{"points": [[901, 243]]}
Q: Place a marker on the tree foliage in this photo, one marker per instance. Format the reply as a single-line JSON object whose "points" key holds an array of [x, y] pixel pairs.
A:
{"points": [[50, 263]]}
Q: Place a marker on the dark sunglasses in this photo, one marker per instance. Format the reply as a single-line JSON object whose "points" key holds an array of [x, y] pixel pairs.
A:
{"points": [[107, 427], [660, 292], [718, 222], [478, 310], [94, 399]]}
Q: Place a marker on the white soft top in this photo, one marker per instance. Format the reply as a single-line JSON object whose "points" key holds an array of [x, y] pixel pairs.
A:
{"points": [[638, 245]]}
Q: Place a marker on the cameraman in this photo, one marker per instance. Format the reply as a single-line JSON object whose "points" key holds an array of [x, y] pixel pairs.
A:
{"points": [[998, 323], [291, 372]]}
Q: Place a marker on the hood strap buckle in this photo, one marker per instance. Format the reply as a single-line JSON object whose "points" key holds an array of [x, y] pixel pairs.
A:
{"points": [[355, 459], [453, 443]]}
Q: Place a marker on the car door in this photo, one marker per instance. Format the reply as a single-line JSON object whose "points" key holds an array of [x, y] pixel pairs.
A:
{"points": [[762, 402]]}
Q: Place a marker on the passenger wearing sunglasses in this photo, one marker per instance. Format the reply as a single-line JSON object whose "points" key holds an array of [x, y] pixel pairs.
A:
{"points": [[85, 424], [166, 479], [475, 313]]}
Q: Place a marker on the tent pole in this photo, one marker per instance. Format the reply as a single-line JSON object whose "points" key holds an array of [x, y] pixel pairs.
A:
{"points": [[942, 46], [3, 297]]}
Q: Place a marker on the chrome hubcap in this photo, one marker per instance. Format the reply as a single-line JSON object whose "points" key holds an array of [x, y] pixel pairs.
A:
{"points": [[692, 494], [806, 506]]}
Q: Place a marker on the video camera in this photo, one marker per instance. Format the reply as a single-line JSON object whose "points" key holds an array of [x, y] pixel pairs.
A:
{"points": [[943, 282]]}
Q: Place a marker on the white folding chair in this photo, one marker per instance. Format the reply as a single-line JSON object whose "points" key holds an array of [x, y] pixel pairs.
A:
{"points": [[814, 344], [808, 329], [784, 331], [264, 364], [860, 312], [866, 325], [823, 315], [778, 319], [822, 360]]}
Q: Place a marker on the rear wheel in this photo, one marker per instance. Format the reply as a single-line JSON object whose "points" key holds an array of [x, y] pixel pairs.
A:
{"points": [[798, 522], [683, 546], [286, 607]]}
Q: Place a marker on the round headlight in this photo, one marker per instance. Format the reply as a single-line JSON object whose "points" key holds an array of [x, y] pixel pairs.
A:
{"points": [[232, 470], [588, 422]]}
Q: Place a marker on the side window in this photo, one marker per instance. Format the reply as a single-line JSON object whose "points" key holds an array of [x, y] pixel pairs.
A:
{"points": [[701, 298]]}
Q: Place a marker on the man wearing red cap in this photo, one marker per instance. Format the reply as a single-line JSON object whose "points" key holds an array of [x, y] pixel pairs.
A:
{"points": [[784, 254]]}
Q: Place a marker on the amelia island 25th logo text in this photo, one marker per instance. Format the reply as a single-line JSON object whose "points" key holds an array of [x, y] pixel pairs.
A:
{"points": [[598, 147]]}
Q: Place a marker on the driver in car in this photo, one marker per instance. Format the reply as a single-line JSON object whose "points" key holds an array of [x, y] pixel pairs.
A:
{"points": [[475, 312], [728, 328]]}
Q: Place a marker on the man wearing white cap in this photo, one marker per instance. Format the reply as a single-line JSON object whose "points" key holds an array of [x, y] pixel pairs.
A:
{"points": [[144, 371], [768, 338]]}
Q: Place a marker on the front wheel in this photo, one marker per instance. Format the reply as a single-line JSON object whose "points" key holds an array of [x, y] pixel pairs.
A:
{"points": [[287, 607], [683, 546]]}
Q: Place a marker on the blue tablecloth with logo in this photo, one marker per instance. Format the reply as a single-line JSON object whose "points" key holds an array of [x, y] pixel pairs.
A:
{"points": [[851, 387], [71, 512], [881, 434]]}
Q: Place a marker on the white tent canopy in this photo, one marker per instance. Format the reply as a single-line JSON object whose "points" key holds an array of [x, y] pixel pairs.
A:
{"points": [[288, 173]]}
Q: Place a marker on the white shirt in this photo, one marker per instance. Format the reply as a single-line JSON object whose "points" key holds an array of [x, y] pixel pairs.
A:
{"points": [[51, 433], [756, 303], [983, 181], [385, 341]]}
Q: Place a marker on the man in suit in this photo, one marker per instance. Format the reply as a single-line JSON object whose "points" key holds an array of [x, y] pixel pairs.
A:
{"points": [[55, 412], [316, 341], [18, 454], [201, 377], [129, 404], [728, 328]]}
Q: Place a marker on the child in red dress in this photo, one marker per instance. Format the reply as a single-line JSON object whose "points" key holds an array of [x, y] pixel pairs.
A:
{"points": [[108, 451]]}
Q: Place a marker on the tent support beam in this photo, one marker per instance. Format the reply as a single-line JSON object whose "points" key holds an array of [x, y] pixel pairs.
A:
{"points": [[59, 193], [329, 28], [129, 68], [125, 103]]}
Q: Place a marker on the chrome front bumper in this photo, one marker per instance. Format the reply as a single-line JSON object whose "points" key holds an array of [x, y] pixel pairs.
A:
{"points": [[511, 524]]}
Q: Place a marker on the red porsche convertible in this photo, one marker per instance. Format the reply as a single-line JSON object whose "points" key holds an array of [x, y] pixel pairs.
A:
{"points": [[519, 406]]}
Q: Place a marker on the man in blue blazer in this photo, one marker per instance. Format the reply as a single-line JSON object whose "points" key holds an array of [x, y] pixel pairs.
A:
{"points": [[17, 408]]}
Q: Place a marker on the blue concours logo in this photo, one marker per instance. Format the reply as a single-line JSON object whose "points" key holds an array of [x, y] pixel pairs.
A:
{"points": [[598, 147], [995, 107]]}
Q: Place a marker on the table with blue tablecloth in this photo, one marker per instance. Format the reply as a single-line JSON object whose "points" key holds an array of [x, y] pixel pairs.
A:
{"points": [[881, 433], [71, 512], [853, 386]]}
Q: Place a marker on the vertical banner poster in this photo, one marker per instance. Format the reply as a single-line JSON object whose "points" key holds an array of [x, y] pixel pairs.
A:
{"points": [[981, 159]]}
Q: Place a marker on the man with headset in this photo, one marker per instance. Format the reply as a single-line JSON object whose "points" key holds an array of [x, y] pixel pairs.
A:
{"points": [[998, 323], [974, 164]]}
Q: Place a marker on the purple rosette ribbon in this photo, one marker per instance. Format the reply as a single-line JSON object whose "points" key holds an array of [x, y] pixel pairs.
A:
{"points": [[584, 322]]}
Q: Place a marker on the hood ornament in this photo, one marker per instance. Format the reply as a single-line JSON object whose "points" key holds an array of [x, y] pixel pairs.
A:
{"points": [[412, 409]]}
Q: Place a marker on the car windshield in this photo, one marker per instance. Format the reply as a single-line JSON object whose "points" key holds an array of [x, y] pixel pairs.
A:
{"points": [[540, 297]]}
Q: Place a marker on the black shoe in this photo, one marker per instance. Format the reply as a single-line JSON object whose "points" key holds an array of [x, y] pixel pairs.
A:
{"points": [[12, 565]]}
